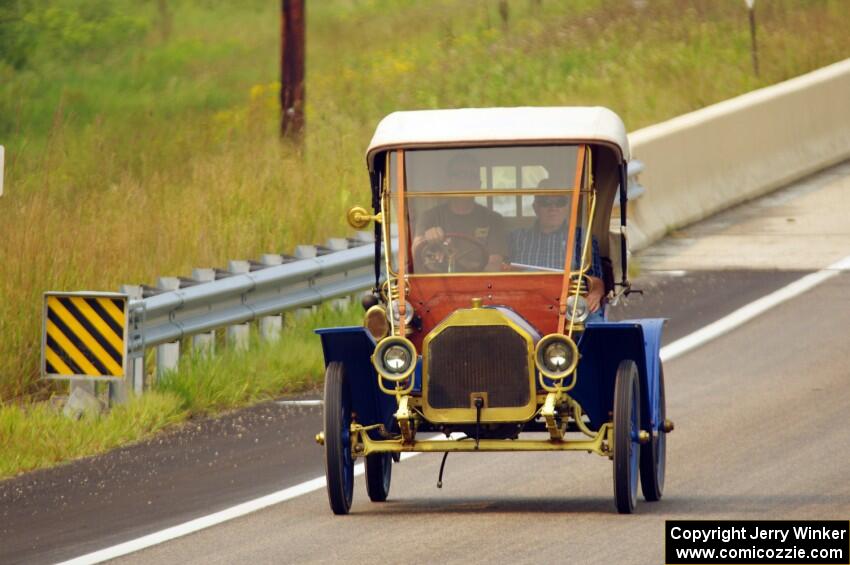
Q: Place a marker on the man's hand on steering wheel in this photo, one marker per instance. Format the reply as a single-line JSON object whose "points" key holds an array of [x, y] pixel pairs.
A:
{"points": [[441, 252], [434, 235]]}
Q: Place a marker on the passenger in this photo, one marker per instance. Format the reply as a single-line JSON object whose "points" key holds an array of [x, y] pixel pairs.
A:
{"points": [[465, 217], [544, 245]]}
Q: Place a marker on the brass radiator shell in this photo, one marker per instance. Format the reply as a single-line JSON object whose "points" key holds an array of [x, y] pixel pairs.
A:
{"points": [[479, 352]]}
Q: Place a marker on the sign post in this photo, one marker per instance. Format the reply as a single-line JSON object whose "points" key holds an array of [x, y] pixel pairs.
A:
{"points": [[753, 46], [2, 163]]}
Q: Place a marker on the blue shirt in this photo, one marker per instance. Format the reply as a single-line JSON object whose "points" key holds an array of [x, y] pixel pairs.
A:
{"points": [[533, 247]]}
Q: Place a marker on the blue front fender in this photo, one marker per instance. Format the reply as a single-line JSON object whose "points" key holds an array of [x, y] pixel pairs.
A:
{"points": [[603, 346], [353, 347]]}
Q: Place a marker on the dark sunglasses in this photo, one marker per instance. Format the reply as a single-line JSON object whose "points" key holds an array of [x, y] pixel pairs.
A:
{"points": [[552, 201]]}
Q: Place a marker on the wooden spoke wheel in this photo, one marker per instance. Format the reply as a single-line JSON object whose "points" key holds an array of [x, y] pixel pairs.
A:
{"points": [[653, 455], [379, 472], [339, 464], [626, 430]]}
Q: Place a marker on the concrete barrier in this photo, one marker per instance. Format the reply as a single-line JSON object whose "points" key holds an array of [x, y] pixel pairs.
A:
{"points": [[700, 163]]}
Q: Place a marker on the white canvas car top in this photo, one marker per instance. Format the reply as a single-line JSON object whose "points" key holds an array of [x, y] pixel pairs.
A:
{"points": [[489, 126]]}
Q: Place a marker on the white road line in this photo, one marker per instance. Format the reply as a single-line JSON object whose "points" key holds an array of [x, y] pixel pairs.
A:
{"points": [[746, 313], [210, 520], [299, 402], [204, 522], [671, 351]]}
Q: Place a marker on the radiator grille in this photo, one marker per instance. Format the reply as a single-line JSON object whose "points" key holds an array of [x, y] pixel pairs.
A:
{"points": [[467, 359]]}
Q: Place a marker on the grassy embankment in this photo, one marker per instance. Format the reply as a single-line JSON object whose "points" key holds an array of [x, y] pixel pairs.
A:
{"points": [[37, 435], [146, 146]]}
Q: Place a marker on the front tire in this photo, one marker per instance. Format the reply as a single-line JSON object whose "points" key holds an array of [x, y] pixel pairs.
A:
{"points": [[626, 429], [379, 472], [653, 455], [339, 464]]}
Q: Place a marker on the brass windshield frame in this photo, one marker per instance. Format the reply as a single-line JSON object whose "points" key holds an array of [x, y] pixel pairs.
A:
{"points": [[583, 188], [581, 179]]}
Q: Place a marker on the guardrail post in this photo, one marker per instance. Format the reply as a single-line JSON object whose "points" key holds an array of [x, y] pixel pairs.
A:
{"points": [[238, 336], [119, 391], [305, 252], [167, 354], [271, 326], [338, 244], [363, 237], [204, 344]]}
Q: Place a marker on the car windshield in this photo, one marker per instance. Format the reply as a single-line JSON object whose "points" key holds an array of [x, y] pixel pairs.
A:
{"points": [[486, 210]]}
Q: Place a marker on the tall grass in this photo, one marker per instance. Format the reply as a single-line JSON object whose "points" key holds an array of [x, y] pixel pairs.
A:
{"points": [[157, 151]]}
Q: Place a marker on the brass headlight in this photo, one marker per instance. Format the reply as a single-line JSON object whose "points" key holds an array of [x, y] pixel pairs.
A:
{"points": [[394, 358], [375, 321], [397, 358], [556, 356]]}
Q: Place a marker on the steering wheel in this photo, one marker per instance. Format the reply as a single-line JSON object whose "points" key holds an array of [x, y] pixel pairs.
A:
{"points": [[456, 253]]}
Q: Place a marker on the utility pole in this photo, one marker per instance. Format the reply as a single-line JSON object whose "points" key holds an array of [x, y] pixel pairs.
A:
{"points": [[291, 68]]}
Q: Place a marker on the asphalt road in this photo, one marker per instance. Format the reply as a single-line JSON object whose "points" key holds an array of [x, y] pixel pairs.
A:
{"points": [[762, 432], [210, 465]]}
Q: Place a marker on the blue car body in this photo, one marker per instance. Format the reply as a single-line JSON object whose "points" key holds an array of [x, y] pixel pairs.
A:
{"points": [[602, 347]]}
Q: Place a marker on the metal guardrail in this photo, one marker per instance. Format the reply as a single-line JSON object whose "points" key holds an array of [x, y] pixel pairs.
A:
{"points": [[247, 291], [242, 298], [194, 307]]}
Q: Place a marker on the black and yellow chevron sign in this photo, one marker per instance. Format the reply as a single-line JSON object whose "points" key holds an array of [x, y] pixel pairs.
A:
{"points": [[85, 334]]}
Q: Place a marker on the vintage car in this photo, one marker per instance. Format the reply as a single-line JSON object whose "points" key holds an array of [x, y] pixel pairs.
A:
{"points": [[476, 337]]}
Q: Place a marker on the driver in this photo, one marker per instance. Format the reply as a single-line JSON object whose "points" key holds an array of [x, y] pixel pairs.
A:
{"points": [[459, 220]]}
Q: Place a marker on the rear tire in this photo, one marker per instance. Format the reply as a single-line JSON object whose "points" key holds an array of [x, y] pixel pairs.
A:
{"points": [[653, 455], [339, 464], [379, 472], [626, 429]]}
